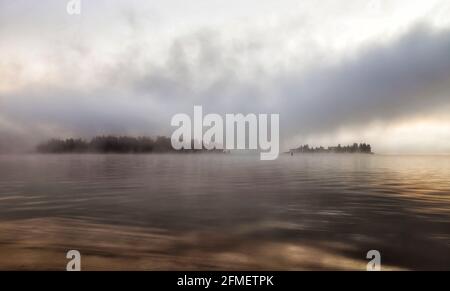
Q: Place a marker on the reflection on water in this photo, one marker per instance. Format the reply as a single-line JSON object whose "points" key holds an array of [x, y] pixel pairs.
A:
{"points": [[177, 212]]}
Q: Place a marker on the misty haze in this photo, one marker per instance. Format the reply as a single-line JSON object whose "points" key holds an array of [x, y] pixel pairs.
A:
{"points": [[361, 94]]}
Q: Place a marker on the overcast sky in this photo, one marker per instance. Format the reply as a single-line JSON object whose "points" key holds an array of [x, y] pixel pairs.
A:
{"points": [[335, 71]]}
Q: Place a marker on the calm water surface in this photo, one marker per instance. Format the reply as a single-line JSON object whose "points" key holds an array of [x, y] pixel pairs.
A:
{"points": [[197, 212]]}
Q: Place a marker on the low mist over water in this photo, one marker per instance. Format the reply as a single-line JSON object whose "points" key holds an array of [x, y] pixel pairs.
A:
{"points": [[196, 211]]}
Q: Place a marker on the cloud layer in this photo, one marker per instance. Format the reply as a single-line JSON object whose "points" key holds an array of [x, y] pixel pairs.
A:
{"points": [[132, 82]]}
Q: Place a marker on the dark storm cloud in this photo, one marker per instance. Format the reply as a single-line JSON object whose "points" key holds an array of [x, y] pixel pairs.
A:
{"points": [[387, 82], [402, 79]]}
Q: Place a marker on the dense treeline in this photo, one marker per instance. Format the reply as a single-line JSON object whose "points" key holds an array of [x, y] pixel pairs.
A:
{"points": [[108, 144], [355, 148], [125, 144]]}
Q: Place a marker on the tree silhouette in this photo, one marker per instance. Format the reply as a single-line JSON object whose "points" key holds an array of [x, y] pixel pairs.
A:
{"points": [[355, 148], [112, 144]]}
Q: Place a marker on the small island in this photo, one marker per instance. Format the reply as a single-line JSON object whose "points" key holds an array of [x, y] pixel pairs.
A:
{"points": [[362, 148], [114, 145]]}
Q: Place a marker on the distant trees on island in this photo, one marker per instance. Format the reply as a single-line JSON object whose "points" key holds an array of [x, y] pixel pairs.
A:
{"points": [[161, 144], [355, 148], [111, 144]]}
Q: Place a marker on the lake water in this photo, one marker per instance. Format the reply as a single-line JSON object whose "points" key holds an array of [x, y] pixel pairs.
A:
{"points": [[225, 212]]}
